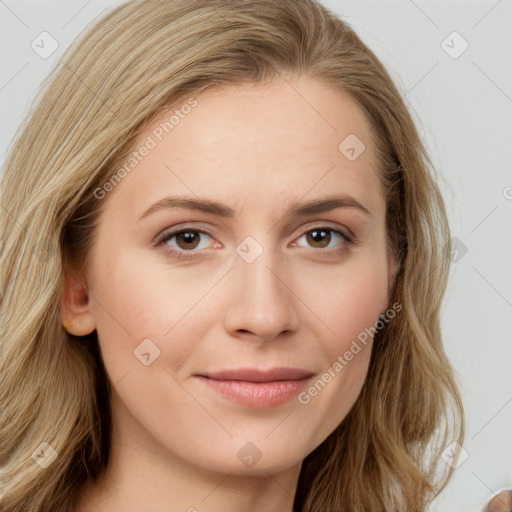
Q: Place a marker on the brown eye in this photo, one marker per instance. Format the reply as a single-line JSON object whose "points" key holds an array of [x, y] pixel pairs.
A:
{"points": [[319, 238], [187, 239], [185, 242], [322, 238]]}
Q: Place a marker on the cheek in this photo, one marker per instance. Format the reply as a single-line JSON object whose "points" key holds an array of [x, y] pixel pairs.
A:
{"points": [[134, 300], [357, 306], [349, 302], [347, 299], [354, 313], [128, 306]]}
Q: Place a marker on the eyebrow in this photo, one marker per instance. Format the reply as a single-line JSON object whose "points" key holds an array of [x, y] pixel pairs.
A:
{"points": [[300, 209]]}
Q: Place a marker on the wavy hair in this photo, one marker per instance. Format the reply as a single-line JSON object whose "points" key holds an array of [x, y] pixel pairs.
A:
{"points": [[135, 62]]}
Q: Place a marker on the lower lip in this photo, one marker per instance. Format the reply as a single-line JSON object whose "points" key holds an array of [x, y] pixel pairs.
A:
{"points": [[257, 394]]}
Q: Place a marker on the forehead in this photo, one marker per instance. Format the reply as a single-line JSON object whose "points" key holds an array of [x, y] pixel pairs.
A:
{"points": [[254, 142]]}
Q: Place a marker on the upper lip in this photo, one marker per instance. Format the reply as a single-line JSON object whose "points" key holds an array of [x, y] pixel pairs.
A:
{"points": [[258, 375]]}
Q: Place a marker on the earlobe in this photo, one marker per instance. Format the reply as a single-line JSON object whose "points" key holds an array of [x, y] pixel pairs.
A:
{"points": [[80, 325], [75, 308]]}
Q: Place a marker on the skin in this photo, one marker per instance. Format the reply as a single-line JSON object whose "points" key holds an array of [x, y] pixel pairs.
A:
{"points": [[258, 149]]}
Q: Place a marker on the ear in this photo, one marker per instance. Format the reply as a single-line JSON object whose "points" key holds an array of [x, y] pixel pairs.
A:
{"points": [[75, 307]]}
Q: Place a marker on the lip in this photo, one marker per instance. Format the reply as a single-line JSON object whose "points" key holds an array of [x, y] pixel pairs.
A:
{"points": [[254, 387]]}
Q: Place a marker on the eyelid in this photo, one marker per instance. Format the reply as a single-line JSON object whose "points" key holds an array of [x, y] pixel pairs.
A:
{"points": [[169, 232], [343, 230]]}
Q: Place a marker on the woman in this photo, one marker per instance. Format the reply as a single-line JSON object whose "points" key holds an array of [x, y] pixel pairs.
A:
{"points": [[223, 261]]}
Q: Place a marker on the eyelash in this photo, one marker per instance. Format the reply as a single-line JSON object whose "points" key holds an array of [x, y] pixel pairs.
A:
{"points": [[165, 236]]}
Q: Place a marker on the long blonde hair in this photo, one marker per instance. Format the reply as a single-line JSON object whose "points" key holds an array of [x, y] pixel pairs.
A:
{"points": [[137, 61]]}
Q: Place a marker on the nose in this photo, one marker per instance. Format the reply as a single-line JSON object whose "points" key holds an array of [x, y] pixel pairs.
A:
{"points": [[262, 303]]}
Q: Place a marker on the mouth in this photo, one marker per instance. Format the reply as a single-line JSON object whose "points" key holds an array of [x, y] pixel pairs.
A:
{"points": [[254, 387]]}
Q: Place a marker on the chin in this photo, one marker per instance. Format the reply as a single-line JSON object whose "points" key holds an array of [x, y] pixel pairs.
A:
{"points": [[244, 458]]}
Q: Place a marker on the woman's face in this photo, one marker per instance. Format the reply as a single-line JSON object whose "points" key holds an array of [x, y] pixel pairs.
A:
{"points": [[217, 341]]}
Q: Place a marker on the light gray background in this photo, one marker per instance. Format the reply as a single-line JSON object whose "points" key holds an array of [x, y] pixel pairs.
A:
{"points": [[463, 107]]}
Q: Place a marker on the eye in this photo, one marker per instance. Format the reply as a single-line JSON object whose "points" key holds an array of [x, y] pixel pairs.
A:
{"points": [[184, 241], [321, 238]]}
